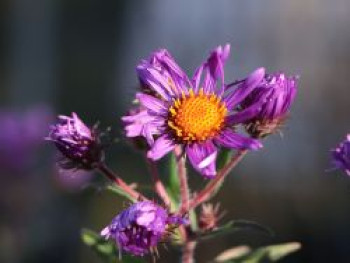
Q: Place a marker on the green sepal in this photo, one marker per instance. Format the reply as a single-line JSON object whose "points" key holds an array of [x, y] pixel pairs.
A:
{"points": [[266, 254], [233, 226], [107, 250]]}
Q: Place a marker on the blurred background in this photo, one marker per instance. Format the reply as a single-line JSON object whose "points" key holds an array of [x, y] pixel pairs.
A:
{"points": [[64, 56]]}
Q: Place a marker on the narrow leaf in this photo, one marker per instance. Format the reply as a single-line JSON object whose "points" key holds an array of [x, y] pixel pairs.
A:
{"points": [[271, 253], [233, 226], [118, 191]]}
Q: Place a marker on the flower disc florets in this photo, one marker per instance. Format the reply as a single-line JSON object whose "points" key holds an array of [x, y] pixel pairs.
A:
{"points": [[139, 228], [277, 92], [78, 143], [341, 155], [196, 117]]}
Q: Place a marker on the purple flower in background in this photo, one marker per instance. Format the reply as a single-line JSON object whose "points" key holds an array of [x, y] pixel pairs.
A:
{"points": [[78, 143], [139, 228], [21, 137], [197, 114], [341, 155], [279, 92]]}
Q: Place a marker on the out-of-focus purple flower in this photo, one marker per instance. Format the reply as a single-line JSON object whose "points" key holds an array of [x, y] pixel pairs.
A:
{"points": [[21, 137], [139, 228], [341, 155], [73, 180], [79, 144], [197, 114], [278, 91]]}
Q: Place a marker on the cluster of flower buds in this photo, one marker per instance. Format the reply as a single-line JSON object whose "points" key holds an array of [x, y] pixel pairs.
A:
{"points": [[195, 116]]}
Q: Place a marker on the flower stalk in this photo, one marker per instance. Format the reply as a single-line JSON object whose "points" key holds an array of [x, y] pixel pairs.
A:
{"points": [[207, 192], [158, 185], [182, 173], [104, 169], [188, 252]]}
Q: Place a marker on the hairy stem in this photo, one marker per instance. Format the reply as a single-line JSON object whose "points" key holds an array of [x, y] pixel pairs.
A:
{"points": [[158, 185], [207, 192], [188, 252], [182, 173], [102, 167]]}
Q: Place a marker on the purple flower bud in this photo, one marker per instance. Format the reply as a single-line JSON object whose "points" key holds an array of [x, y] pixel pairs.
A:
{"points": [[140, 227], [275, 94], [78, 143], [341, 155]]}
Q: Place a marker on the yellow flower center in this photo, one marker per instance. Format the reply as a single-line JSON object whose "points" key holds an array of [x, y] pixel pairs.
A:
{"points": [[196, 117]]}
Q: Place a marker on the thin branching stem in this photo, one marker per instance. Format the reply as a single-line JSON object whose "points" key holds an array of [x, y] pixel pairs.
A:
{"points": [[105, 170], [182, 173], [207, 192], [158, 185], [188, 252]]}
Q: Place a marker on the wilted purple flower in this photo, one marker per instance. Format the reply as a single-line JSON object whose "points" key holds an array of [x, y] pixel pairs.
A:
{"points": [[279, 92], [195, 114], [139, 228], [341, 155], [78, 143]]}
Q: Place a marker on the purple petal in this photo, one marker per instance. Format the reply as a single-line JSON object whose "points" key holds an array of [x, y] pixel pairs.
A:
{"points": [[248, 113], [244, 89], [203, 157], [153, 80], [151, 103], [161, 147], [197, 78], [230, 139]]}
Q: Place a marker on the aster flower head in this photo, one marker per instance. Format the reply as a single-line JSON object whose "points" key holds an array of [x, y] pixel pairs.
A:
{"points": [[139, 228], [79, 144], [278, 91], [197, 114], [341, 155]]}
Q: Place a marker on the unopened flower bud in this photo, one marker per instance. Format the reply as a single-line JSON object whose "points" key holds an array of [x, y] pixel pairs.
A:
{"points": [[275, 93], [79, 145]]}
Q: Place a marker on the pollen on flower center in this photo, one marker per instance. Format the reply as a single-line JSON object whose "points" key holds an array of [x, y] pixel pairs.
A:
{"points": [[196, 117]]}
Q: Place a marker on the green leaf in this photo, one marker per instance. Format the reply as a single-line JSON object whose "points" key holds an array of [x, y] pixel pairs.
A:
{"points": [[223, 158], [271, 253], [173, 184], [233, 226], [118, 191], [107, 250]]}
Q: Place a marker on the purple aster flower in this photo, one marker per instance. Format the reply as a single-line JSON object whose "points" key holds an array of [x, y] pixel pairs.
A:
{"points": [[197, 114], [341, 155], [279, 92], [78, 143], [139, 228]]}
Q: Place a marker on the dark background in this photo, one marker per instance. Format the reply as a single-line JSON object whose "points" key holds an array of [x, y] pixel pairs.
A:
{"points": [[64, 56]]}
